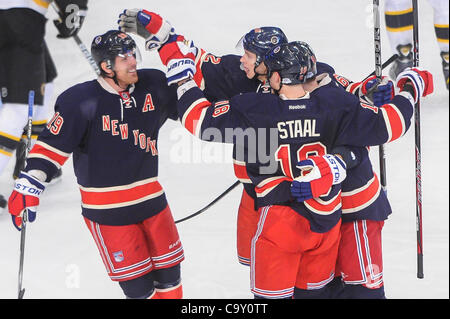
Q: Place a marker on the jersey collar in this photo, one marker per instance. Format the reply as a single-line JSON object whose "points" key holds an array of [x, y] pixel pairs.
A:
{"points": [[108, 88]]}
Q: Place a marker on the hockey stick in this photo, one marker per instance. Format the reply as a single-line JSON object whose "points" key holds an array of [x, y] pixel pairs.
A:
{"points": [[384, 65], [379, 74], [80, 43], [229, 189], [418, 149], [21, 291]]}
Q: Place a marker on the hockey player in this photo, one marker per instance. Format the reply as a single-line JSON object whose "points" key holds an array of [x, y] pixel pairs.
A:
{"points": [[23, 53], [220, 78], [399, 26], [310, 115], [363, 203], [110, 126]]}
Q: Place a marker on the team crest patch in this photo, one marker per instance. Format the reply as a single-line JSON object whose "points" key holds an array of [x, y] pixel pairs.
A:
{"points": [[124, 95], [118, 256], [126, 100]]}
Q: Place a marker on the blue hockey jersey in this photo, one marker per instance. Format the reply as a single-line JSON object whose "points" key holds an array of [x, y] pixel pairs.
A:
{"points": [[314, 124], [221, 78], [113, 139]]}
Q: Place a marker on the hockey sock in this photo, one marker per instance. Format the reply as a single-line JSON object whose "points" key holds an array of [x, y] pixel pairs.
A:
{"points": [[175, 292], [362, 292], [167, 282], [322, 293], [139, 288], [336, 287]]}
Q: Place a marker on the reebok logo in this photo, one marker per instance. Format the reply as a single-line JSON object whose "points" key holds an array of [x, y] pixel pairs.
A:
{"points": [[297, 107]]}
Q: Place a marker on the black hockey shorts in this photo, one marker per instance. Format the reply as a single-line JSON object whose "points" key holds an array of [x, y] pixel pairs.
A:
{"points": [[22, 55]]}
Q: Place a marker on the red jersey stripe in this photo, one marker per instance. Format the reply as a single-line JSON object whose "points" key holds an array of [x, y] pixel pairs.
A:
{"points": [[49, 153], [194, 116], [240, 170], [114, 196], [268, 184], [198, 76], [362, 197], [395, 121], [321, 207]]}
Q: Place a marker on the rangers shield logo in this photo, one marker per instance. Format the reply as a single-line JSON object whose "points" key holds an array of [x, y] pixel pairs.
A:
{"points": [[118, 256]]}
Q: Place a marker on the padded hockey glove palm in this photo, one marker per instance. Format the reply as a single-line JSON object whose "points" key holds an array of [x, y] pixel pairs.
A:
{"points": [[421, 81], [379, 93], [149, 25], [324, 172], [25, 198], [71, 21]]}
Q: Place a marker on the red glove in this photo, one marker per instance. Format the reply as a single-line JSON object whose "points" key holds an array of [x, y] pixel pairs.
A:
{"points": [[421, 81], [25, 198], [324, 172], [178, 54]]}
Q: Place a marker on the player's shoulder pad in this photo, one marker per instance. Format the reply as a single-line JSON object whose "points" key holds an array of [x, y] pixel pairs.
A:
{"points": [[253, 100], [80, 101], [156, 81], [231, 60], [229, 64], [77, 94], [333, 94], [324, 68], [151, 76]]}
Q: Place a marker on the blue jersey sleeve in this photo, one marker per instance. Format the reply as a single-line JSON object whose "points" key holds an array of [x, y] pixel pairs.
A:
{"points": [[66, 130], [363, 124], [221, 77]]}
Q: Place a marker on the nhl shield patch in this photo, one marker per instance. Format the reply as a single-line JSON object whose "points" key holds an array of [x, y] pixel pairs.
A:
{"points": [[118, 256]]}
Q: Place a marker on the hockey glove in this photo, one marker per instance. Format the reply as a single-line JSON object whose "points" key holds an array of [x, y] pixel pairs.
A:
{"points": [[324, 172], [25, 198], [149, 25], [379, 93], [178, 56], [420, 80], [71, 21]]}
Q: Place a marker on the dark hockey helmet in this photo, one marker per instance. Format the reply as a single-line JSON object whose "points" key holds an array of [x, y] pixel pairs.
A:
{"points": [[106, 47], [294, 61], [261, 40], [312, 57]]}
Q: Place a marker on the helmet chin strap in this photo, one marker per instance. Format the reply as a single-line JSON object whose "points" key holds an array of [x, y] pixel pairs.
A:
{"points": [[278, 91], [256, 73], [281, 84], [114, 76]]}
